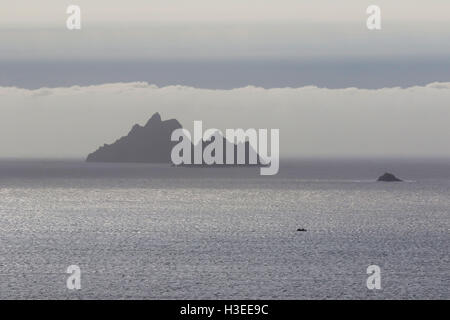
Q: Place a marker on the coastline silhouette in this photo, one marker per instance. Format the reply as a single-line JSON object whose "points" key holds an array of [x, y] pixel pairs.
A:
{"points": [[152, 144]]}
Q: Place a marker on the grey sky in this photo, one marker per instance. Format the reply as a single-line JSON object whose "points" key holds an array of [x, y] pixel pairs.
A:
{"points": [[99, 11], [225, 44], [228, 74], [222, 30], [222, 45], [225, 54], [72, 122]]}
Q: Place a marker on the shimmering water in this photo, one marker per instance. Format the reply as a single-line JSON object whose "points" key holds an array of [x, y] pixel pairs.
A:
{"points": [[157, 232]]}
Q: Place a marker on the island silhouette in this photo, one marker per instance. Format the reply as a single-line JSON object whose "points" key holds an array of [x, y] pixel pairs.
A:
{"points": [[389, 177], [152, 144]]}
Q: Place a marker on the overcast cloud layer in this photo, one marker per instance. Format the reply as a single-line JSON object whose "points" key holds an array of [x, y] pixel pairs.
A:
{"points": [[74, 121], [225, 44], [47, 11]]}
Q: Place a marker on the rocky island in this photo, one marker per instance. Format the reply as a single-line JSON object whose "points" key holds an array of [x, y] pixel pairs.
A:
{"points": [[152, 144], [389, 177]]}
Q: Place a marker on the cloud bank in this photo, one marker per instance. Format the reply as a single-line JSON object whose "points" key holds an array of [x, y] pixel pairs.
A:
{"points": [[74, 121]]}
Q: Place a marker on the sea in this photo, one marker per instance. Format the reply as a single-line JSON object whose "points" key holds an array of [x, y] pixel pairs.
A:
{"points": [[154, 231]]}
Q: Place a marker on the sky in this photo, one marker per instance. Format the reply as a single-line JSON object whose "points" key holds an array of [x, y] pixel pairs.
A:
{"points": [[48, 11], [225, 44], [211, 29], [313, 122], [63, 93]]}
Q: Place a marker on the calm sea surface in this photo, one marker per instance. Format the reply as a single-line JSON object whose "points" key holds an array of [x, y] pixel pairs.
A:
{"points": [[157, 232]]}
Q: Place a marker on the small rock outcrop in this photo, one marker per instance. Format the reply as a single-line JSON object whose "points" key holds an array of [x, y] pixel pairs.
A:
{"points": [[389, 177]]}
